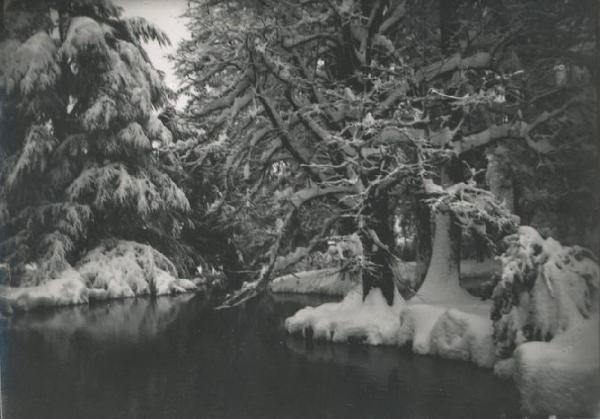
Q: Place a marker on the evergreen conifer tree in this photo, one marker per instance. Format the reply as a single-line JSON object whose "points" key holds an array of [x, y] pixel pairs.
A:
{"points": [[78, 120]]}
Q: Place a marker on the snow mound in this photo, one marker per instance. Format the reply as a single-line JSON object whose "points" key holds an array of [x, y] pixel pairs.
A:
{"points": [[66, 290], [431, 329], [125, 269], [371, 321], [323, 282], [546, 311], [463, 333], [116, 269], [561, 377]]}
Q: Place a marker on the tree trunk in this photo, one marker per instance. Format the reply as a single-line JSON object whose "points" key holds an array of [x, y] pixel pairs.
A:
{"points": [[233, 267], [442, 280], [379, 273], [499, 181], [422, 240]]}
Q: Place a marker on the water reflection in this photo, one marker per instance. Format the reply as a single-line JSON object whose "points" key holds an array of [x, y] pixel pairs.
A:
{"points": [[177, 358], [130, 320]]}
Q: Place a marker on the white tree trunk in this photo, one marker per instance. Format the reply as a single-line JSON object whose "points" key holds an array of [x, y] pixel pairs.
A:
{"points": [[442, 280]]}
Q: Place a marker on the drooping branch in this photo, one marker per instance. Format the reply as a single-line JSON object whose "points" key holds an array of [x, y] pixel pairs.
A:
{"points": [[286, 138]]}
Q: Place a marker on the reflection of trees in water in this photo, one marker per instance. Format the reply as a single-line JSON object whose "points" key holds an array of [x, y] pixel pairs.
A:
{"points": [[129, 320]]}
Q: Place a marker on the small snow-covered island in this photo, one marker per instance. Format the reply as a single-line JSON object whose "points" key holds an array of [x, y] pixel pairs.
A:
{"points": [[223, 208]]}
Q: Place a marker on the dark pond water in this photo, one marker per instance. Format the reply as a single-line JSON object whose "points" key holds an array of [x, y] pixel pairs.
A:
{"points": [[177, 358]]}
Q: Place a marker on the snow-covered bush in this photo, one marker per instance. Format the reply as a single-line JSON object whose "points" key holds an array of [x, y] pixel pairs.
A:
{"points": [[545, 289], [546, 316], [126, 269], [114, 269]]}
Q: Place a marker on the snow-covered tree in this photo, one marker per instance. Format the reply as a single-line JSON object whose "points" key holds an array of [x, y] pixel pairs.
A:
{"points": [[376, 108], [79, 102]]}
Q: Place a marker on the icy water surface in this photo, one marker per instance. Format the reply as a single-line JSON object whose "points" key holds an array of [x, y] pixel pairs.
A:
{"points": [[177, 358]]}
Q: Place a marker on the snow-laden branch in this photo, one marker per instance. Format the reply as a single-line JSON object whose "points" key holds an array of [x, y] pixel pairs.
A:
{"points": [[286, 139], [293, 42], [455, 62], [302, 196], [519, 129], [226, 100]]}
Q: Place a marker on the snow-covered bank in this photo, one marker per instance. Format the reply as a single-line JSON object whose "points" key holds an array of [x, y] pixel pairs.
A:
{"points": [[69, 289], [371, 321], [548, 307], [119, 269], [463, 333], [441, 319], [331, 282], [561, 377]]}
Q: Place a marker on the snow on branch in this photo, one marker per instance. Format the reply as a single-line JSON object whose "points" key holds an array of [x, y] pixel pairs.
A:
{"points": [[227, 100], [286, 138], [519, 129], [477, 211], [452, 63], [302, 196], [38, 145], [33, 67], [113, 183], [85, 43], [144, 31]]}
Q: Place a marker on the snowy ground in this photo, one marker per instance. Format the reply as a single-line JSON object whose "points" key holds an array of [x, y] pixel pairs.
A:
{"points": [[322, 282], [121, 269], [473, 275], [454, 330]]}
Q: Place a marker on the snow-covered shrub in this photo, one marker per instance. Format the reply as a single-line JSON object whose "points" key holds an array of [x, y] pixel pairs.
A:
{"points": [[546, 316], [545, 289], [126, 269]]}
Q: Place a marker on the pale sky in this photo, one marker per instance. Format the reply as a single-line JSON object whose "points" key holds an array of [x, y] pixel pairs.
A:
{"points": [[167, 16]]}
